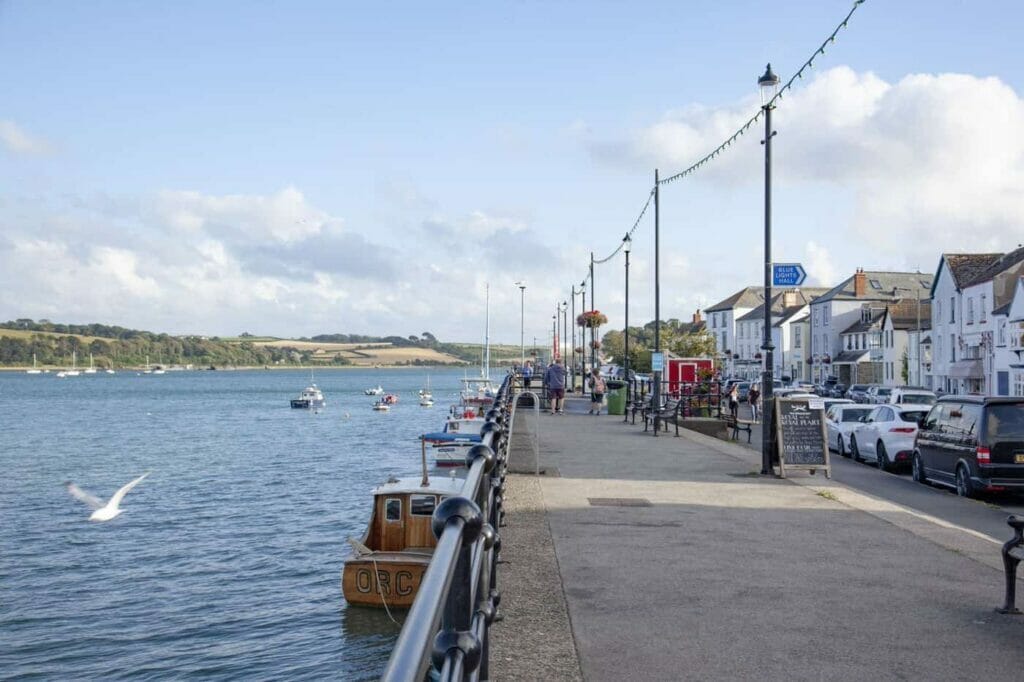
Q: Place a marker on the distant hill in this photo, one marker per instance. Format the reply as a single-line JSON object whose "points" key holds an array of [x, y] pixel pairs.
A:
{"points": [[114, 346]]}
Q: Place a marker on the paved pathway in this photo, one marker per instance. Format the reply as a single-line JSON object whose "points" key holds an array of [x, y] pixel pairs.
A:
{"points": [[724, 574]]}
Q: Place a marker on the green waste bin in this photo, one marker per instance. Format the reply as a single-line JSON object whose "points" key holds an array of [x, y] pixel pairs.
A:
{"points": [[616, 396]]}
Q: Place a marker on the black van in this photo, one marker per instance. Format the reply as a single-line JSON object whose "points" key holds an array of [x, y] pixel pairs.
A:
{"points": [[973, 443]]}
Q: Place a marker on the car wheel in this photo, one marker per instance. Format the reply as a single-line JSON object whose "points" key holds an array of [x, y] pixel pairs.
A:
{"points": [[964, 487], [882, 457], [842, 450], [854, 452], [917, 469]]}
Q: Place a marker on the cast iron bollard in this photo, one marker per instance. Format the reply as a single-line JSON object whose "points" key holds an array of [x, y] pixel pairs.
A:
{"points": [[1013, 552]]}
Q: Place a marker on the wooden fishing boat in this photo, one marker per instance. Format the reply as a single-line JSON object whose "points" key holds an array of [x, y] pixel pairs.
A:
{"points": [[388, 563]]}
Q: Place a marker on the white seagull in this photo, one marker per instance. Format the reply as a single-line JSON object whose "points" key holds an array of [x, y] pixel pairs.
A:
{"points": [[104, 511]]}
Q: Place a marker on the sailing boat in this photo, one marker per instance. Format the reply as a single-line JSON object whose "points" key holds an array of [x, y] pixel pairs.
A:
{"points": [[160, 366], [34, 370], [91, 369], [72, 372], [426, 397], [478, 391]]}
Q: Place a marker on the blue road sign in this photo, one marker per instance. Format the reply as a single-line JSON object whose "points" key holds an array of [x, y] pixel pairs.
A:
{"points": [[657, 362], [788, 274]]}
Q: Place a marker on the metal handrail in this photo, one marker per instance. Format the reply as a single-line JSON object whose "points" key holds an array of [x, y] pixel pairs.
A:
{"points": [[457, 600]]}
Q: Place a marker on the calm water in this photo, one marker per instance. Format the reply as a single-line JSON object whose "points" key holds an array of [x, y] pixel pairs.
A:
{"points": [[226, 562]]}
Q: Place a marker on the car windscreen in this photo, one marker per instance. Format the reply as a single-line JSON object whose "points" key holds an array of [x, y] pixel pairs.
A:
{"points": [[858, 387], [883, 391], [1005, 422], [855, 415], [913, 415], [918, 399]]}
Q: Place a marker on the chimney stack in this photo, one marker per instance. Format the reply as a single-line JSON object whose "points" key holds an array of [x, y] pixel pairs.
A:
{"points": [[789, 298], [697, 318], [860, 283]]}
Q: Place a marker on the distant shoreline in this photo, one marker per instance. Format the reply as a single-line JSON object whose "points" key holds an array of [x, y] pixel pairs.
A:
{"points": [[240, 368]]}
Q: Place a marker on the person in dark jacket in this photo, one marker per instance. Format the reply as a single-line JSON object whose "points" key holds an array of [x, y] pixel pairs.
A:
{"points": [[554, 382]]}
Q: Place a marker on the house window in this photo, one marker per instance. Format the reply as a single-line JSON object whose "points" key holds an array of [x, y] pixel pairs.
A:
{"points": [[863, 341], [796, 337], [970, 310], [952, 308], [981, 313], [1001, 334], [1018, 384], [952, 348], [938, 346], [875, 284], [938, 310]]}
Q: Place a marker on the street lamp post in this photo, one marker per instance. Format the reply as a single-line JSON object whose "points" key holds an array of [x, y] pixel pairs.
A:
{"points": [[627, 245], [656, 389], [565, 327], [572, 367], [583, 335], [522, 312], [769, 86], [593, 330]]}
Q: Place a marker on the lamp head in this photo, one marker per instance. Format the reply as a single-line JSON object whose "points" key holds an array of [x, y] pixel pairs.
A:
{"points": [[768, 84], [627, 243]]}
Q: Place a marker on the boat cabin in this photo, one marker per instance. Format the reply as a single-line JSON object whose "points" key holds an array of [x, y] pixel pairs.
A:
{"points": [[389, 562]]}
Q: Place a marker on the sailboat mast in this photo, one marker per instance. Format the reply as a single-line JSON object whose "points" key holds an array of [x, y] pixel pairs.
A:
{"points": [[487, 333]]}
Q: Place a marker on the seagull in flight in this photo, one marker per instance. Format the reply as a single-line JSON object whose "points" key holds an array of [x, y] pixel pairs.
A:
{"points": [[104, 511]]}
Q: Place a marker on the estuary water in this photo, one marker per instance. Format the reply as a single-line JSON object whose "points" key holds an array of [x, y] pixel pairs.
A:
{"points": [[226, 561]]}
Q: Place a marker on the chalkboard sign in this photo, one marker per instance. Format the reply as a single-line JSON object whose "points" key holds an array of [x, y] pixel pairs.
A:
{"points": [[801, 436]]}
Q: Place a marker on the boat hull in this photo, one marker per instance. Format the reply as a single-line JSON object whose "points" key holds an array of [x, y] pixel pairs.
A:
{"points": [[302, 403], [384, 577]]}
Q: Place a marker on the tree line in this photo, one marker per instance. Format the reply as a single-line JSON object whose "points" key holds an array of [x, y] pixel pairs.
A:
{"points": [[676, 337]]}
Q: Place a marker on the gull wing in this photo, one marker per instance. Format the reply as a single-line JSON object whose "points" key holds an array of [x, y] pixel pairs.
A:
{"points": [[82, 496], [119, 495]]}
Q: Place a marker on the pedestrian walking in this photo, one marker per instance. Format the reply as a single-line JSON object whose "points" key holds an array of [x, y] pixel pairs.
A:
{"points": [[754, 398], [734, 400], [597, 391], [527, 375], [554, 383]]}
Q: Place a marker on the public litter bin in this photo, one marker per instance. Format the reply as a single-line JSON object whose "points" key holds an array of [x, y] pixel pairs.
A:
{"points": [[616, 396]]}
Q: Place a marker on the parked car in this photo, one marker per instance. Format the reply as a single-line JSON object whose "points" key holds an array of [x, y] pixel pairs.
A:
{"points": [[972, 443], [886, 436], [858, 393], [794, 393], [915, 396], [878, 394], [743, 388], [839, 391], [840, 420], [829, 402]]}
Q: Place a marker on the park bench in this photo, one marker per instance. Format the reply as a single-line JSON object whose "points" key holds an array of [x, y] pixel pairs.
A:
{"points": [[735, 425], [650, 415], [1013, 552]]}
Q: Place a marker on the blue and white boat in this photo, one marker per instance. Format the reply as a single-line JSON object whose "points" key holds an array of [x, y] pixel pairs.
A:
{"points": [[311, 397]]}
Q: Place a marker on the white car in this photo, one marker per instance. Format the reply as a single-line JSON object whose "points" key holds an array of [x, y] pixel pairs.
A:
{"points": [[878, 395], [887, 435], [912, 396], [840, 421]]}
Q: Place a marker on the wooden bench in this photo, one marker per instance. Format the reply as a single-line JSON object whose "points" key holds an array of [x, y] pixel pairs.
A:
{"points": [[735, 425], [1013, 553]]}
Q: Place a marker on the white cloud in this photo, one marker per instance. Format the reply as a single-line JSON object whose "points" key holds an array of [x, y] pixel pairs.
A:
{"points": [[821, 271], [19, 141], [929, 163]]}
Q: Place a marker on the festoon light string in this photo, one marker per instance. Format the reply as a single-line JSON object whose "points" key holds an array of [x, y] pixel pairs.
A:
{"points": [[741, 130]]}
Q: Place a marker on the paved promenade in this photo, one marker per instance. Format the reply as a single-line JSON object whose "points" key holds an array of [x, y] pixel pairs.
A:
{"points": [[669, 558]]}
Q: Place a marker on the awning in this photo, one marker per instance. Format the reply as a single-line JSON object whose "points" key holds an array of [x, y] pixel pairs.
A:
{"points": [[966, 369], [850, 357]]}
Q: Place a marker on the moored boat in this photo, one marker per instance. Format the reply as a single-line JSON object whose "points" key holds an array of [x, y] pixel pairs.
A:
{"points": [[388, 563], [374, 391], [310, 397]]}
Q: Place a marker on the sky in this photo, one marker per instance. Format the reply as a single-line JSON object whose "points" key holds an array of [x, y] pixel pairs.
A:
{"points": [[300, 168]]}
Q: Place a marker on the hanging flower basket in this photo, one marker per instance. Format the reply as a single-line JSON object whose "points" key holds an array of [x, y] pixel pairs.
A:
{"points": [[757, 356], [579, 349], [595, 345], [591, 319], [735, 356], [827, 360]]}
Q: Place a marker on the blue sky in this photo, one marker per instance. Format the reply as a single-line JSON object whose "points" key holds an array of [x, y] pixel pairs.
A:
{"points": [[304, 167]]}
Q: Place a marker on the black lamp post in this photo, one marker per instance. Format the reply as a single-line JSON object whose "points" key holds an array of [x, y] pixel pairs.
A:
{"points": [[522, 311], [593, 330], [572, 367], [769, 86], [627, 245], [565, 328], [583, 336], [656, 389]]}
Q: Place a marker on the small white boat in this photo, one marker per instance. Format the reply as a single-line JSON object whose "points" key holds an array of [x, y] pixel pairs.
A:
{"points": [[70, 372], [110, 371], [426, 401], [374, 391], [34, 370], [381, 406], [91, 369], [311, 397]]}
